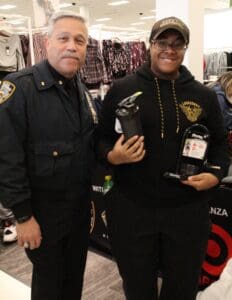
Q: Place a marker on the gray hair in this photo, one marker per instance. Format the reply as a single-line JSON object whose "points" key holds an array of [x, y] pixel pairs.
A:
{"points": [[61, 15]]}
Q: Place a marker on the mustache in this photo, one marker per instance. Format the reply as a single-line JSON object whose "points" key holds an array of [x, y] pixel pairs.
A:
{"points": [[69, 55]]}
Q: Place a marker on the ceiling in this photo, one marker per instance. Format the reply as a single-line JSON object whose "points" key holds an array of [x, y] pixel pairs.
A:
{"points": [[121, 16]]}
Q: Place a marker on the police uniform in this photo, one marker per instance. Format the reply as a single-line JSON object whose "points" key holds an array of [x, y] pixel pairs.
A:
{"points": [[46, 153]]}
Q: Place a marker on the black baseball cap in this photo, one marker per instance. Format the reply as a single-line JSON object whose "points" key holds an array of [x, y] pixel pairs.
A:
{"points": [[169, 23]]}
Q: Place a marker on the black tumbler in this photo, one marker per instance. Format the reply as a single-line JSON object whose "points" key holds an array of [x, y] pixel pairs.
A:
{"points": [[129, 117]]}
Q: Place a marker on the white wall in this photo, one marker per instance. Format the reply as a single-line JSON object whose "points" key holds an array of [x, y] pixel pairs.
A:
{"points": [[217, 4], [218, 30], [192, 13]]}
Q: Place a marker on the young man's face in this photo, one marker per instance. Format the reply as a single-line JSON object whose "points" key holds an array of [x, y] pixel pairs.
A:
{"points": [[66, 46], [167, 53]]}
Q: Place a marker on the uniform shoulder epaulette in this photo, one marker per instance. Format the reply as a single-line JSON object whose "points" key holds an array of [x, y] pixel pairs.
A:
{"points": [[8, 84], [16, 75]]}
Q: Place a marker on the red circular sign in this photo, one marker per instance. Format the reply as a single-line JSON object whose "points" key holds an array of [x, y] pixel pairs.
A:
{"points": [[214, 250]]}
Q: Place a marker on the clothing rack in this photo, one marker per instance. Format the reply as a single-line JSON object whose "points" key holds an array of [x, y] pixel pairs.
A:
{"points": [[226, 67], [40, 30], [221, 49], [7, 17], [132, 34], [114, 33]]}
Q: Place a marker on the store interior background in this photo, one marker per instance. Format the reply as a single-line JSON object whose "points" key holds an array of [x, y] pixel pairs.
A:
{"points": [[128, 21]]}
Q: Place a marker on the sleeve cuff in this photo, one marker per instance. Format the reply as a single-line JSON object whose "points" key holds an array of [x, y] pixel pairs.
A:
{"points": [[22, 209], [215, 170]]}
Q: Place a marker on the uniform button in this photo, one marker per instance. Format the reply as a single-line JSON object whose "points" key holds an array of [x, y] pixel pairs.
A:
{"points": [[60, 82], [55, 153], [42, 83]]}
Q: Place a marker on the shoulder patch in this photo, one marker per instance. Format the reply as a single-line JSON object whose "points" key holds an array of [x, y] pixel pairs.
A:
{"points": [[6, 90]]}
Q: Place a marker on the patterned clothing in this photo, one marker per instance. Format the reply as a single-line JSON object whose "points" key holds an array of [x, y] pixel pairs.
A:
{"points": [[122, 58], [115, 58], [137, 52], [94, 70], [39, 49]]}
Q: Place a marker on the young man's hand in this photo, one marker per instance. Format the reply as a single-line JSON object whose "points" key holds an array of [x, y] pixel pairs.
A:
{"points": [[202, 181], [129, 151]]}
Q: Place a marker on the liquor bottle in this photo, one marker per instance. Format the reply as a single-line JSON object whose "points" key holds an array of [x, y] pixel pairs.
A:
{"points": [[108, 184], [128, 116], [193, 152]]}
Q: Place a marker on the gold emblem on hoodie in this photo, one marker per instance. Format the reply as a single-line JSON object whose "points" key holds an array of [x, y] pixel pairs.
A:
{"points": [[191, 110]]}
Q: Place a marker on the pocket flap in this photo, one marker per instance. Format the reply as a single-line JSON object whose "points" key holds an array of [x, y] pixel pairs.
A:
{"points": [[54, 149]]}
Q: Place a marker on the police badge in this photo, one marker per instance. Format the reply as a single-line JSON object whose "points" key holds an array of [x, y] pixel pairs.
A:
{"points": [[7, 89]]}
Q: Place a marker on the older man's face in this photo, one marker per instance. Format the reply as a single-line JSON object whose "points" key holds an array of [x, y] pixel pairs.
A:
{"points": [[66, 46]]}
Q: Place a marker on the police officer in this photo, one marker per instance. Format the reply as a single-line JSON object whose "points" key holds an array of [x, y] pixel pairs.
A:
{"points": [[47, 120]]}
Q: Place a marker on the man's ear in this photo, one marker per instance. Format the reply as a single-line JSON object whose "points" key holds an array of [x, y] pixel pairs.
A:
{"points": [[46, 42]]}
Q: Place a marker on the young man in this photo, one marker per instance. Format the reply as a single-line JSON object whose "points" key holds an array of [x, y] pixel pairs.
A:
{"points": [[155, 222], [47, 121]]}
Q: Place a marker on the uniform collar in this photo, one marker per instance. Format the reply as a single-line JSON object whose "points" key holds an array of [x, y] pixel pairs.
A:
{"points": [[46, 76], [57, 76]]}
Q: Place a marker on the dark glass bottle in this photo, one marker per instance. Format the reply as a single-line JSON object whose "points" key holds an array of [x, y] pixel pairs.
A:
{"points": [[193, 152]]}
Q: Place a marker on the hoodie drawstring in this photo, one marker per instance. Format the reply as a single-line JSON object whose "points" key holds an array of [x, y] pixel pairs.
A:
{"points": [[162, 109], [176, 106]]}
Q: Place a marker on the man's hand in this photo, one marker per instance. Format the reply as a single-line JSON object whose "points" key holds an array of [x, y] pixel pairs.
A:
{"points": [[202, 181], [130, 151], [29, 232]]}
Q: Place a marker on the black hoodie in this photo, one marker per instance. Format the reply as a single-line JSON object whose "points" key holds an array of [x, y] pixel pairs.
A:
{"points": [[195, 103]]}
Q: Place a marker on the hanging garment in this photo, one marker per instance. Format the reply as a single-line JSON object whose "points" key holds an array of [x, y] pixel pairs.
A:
{"points": [[93, 71], [11, 54]]}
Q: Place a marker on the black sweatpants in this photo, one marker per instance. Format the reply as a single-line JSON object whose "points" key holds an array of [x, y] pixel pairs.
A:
{"points": [[58, 264], [146, 239]]}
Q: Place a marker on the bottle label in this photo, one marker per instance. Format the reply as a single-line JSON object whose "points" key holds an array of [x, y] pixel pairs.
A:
{"points": [[107, 187], [108, 184], [194, 148]]}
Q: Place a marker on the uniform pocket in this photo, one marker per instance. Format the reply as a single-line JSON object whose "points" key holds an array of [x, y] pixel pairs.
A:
{"points": [[53, 158]]}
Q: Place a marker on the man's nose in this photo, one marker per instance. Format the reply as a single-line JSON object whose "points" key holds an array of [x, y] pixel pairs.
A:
{"points": [[71, 44]]}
